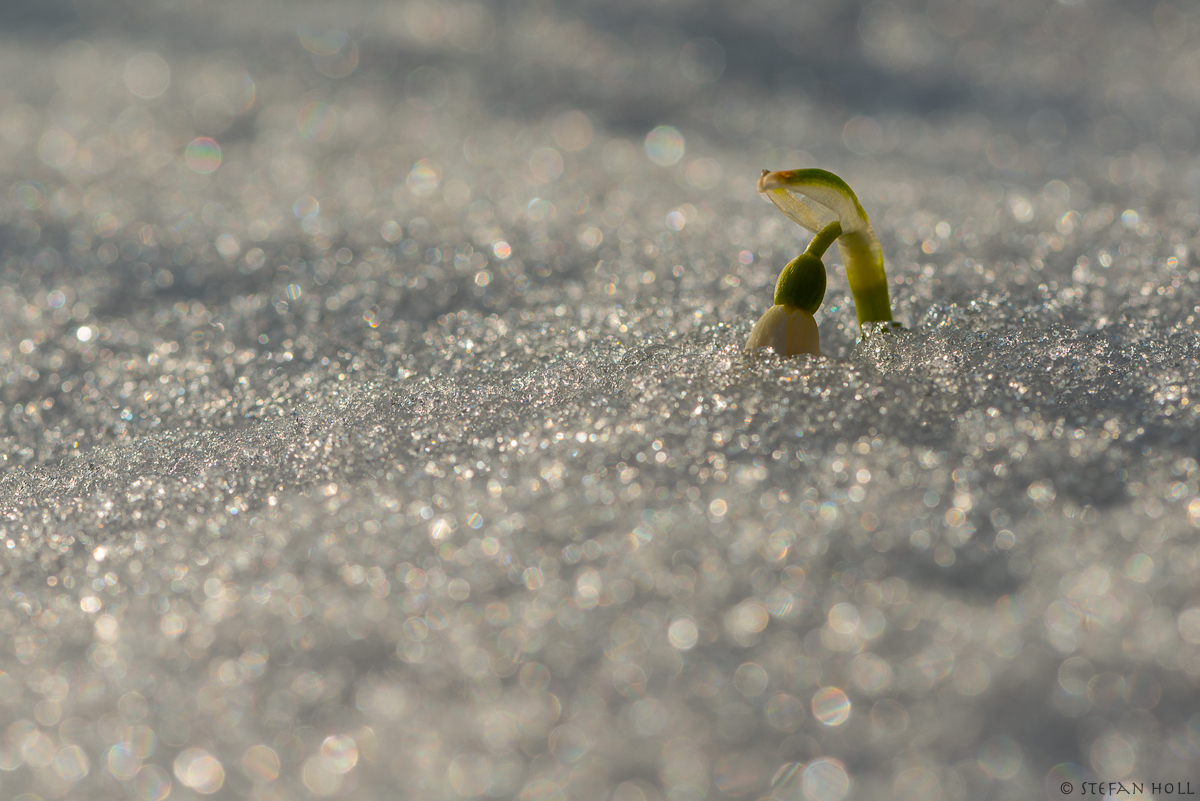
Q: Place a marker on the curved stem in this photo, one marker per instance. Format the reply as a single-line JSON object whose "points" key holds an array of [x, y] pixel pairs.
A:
{"points": [[823, 239]]}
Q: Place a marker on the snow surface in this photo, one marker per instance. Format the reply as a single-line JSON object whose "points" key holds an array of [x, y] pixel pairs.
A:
{"points": [[412, 452]]}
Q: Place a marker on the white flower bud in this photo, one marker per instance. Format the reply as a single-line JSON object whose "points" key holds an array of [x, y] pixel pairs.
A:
{"points": [[787, 330]]}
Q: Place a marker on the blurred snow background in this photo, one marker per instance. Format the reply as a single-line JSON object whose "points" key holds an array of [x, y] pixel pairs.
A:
{"points": [[375, 422]]}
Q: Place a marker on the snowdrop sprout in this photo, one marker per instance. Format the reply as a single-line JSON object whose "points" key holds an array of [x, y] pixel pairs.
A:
{"points": [[816, 198]]}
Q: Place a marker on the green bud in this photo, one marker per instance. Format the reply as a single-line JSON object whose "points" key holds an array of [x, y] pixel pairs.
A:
{"points": [[802, 283]]}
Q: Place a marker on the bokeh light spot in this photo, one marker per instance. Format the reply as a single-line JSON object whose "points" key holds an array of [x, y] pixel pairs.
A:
{"points": [[664, 145], [590, 238], [391, 231], [141, 741], [29, 194], [147, 75], [826, 779], [71, 763], [341, 751], [831, 706], [1000, 758], [150, 784], [424, 177], [784, 712], [683, 633], [202, 155], [56, 148], [199, 770], [306, 206], [750, 679], [1062, 775], [568, 744], [546, 164], [469, 774], [121, 762], [320, 776], [334, 53], [261, 763]]}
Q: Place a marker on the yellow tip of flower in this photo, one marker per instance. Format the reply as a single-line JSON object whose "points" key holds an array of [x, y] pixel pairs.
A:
{"points": [[787, 330]]}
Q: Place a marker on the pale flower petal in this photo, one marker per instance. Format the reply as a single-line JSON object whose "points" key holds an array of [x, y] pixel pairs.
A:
{"points": [[787, 330]]}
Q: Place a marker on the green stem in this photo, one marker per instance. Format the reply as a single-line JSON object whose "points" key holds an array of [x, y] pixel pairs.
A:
{"points": [[823, 239], [863, 261]]}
